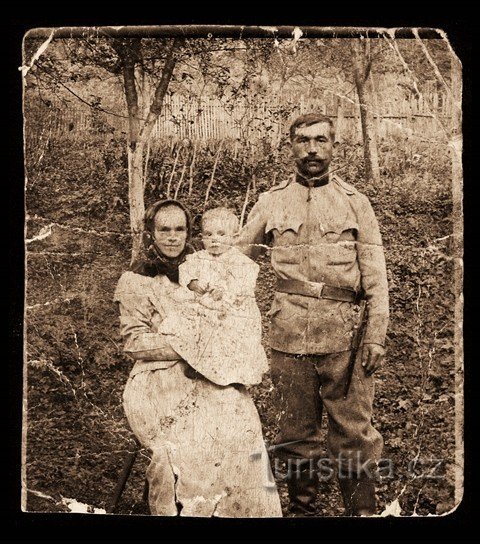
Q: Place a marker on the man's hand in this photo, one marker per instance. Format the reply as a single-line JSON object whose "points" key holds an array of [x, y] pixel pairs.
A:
{"points": [[372, 357]]}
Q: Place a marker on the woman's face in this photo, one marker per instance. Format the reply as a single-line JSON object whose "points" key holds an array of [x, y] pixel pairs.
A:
{"points": [[170, 233]]}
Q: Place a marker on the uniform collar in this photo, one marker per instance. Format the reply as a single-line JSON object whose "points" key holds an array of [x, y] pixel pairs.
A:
{"points": [[311, 182]]}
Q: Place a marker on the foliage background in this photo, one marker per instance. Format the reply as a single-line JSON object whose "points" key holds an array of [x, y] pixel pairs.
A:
{"points": [[78, 227]]}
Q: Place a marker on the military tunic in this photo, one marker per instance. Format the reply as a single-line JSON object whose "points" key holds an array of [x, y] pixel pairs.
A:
{"points": [[323, 234]]}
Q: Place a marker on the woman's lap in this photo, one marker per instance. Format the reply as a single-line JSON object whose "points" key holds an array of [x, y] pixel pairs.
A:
{"points": [[207, 445]]}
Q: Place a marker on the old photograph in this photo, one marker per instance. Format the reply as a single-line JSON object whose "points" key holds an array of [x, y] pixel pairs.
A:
{"points": [[243, 272]]}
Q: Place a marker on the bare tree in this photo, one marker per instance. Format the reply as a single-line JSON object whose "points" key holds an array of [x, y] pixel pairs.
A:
{"points": [[139, 127], [362, 64]]}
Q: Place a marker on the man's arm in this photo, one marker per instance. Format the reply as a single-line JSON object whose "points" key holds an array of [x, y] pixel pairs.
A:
{"points": [[371, 260], [251, 239]]}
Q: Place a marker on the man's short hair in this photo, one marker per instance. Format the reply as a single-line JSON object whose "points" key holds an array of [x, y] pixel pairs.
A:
{"points": [[309, 119], [224, 214]]}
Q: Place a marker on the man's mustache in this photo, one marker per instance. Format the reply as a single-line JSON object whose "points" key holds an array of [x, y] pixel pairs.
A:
{"points": [[315, 158]]}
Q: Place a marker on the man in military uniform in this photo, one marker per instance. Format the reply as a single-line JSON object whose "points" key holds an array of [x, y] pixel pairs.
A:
{"points": [[327, 255]]}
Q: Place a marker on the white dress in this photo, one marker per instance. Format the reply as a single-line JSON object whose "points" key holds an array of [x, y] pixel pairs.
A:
{"points": [[220, 339], [208, 454]]}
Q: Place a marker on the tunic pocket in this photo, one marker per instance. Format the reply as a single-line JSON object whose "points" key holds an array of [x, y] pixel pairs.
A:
{"points": [[339, 232], [285, 306], [286, 254], [282, 225], [285, 233], [342, 253]]}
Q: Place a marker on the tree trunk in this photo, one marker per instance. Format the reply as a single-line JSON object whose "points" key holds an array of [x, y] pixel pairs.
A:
{"points": [[361, 72], [127, 52], [140, 129], [136, 196]]}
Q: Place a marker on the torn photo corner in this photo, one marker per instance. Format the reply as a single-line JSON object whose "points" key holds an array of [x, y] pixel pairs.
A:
{"points": [[291, 197]]}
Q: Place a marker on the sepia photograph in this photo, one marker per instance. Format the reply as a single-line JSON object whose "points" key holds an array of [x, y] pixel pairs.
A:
{"points": [[244, 272]]}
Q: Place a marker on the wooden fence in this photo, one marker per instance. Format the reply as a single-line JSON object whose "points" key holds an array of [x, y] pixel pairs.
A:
{"points": [[399, 113]]}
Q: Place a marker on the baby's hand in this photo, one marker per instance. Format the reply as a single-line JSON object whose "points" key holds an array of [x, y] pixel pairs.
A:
{"points": [[197, 287], [217, 294]]}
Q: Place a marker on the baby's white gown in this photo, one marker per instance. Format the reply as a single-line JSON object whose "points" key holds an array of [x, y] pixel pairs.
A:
{"points": [[220, 339]]}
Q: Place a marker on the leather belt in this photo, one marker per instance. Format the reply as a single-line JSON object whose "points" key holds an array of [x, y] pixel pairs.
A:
{"points": [[317, 290]]}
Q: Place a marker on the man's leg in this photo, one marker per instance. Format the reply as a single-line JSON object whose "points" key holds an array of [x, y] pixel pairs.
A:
{"points": [[300, 413], [351, 439]]}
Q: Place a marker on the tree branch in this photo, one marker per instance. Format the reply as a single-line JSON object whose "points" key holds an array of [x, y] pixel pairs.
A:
{"points": [[93, 106], [127, 56], [161, 90], [432, 63]]}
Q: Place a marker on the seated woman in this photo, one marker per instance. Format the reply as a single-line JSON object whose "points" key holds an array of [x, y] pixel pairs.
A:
{"points": [[208, 453]]}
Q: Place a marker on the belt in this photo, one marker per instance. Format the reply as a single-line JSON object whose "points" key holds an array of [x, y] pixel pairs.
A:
{"points": [[317, 290]]}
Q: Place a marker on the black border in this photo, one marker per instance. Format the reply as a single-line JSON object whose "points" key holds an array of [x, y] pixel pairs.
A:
{"points": [[460, 32]]}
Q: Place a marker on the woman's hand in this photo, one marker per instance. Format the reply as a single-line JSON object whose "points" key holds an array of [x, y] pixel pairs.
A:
{"points": [[160, 354]]}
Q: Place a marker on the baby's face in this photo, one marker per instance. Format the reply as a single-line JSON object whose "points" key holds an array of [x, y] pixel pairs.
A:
{"points": [[217, 236]]}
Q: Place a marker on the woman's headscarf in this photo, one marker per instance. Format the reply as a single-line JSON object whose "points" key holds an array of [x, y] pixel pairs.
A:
{"points": [[153, 262]]}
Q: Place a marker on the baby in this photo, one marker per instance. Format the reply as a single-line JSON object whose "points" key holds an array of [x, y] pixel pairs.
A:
{"points": [[220, 274], [217, 324]]}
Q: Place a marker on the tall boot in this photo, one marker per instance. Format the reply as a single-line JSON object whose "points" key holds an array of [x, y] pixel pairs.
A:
{"points": [[358, 496], [302, 490]]}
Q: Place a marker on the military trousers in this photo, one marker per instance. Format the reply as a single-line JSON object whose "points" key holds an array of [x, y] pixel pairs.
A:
{"points": [[305, 385]]}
